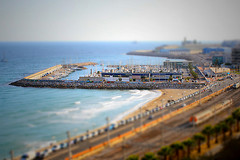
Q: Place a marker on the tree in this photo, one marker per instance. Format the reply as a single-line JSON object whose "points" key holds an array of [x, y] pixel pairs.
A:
{"points": [[188, 143], [177, 146], [224, 129], [149, 156], [165, 152], [208, 131], [230, 122], [133, 157], [216, 130], [170, 78], [199, 138], [236, 115]]}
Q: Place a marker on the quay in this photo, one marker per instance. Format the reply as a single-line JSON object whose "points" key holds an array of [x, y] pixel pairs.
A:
{"points": [[58, 71]]}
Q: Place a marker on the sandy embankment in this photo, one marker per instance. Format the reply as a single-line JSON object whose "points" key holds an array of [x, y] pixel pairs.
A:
{"points": [[167, 94]]}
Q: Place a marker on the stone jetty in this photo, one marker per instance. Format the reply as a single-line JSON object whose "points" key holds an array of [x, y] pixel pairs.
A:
{"points": [[104, 85]]}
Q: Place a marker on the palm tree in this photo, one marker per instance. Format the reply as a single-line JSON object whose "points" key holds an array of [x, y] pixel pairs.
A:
{"points": [[236, 115], [224, 129], [199, 138], [165, 152], [208, 131], [188, 143], [230, 122], [216, 130], [149, 156], [133, 157], [177, 146]]}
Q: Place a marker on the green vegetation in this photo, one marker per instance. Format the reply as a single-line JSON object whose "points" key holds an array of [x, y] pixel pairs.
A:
{"points": [[230, 122], [178, 150], [133, 157], [208, 131], [236, 116], [170, 78], [149, 156], [176, 147], [216, 130], [198, 138], [189, 143], [165, 152], [194, 74]]}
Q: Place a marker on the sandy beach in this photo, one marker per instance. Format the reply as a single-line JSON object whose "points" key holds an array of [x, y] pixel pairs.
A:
{"points": [[167, 94]]}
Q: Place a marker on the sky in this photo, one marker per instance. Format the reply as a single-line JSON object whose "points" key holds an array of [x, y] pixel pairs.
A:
{"points": [[119, 20]]}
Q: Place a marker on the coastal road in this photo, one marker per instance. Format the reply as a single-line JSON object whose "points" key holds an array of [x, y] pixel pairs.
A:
{"points": [[80, 146], [175, 129]]}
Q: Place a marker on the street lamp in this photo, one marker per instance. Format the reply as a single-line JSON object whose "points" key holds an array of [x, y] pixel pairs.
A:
{"points": [[107, 119], [12, 154], [141, 119], [69, 145]]}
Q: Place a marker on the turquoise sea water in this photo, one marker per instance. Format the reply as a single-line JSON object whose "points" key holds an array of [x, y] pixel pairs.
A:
{"points": [[34, 117]]}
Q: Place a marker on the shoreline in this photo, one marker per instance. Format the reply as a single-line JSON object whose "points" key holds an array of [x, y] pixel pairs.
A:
{"points": [[166, 94], [134, 109]]}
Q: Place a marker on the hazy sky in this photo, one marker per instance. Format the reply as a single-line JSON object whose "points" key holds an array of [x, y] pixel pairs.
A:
{"points": [[119, 20]]}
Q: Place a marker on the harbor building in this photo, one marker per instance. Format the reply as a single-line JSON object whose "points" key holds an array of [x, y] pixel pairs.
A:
{"points": [[140, 77], [176, 64], [218, 60], [216, 71]]}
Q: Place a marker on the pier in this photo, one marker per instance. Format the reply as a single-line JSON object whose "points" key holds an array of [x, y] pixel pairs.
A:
{"points": [[58, 71]]}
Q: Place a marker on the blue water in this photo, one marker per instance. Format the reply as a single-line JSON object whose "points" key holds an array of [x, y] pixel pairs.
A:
{"points": [[34, 117]]}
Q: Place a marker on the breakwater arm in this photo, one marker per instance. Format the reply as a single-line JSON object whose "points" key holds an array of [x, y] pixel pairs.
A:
{"points": [[104, 85], [167, 55]]}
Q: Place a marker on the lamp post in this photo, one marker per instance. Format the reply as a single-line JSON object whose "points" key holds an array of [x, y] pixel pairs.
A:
{"points": [[11, 154], [200, 96], [162, 124], [107, 119], [141, 119], [69, 145]]}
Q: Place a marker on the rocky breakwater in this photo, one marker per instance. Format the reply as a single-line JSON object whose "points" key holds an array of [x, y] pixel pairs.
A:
{"points": [[104, 85], [158, 54]]}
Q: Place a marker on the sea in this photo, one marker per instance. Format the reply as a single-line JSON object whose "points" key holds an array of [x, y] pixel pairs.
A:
{"points": [[35, 117]]}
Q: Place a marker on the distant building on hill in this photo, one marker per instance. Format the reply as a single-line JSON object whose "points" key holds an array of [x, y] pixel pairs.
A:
{"points": [[212, 50], [175, 51], [195, 46], [231, 43]]}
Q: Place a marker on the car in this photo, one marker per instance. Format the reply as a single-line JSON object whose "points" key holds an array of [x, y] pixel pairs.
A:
{"points": [[94, 133], [55, 148], [100, 131], [63, 145], [82, 138], [150, 117]]}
